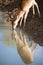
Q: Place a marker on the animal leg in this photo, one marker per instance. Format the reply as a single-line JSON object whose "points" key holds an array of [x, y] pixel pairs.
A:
{"points": [[19, 16], [24, 40], [21, 36], [25, 17], [35, 3], [16, 22], [33, 46], [21, 20], [33, 10]]}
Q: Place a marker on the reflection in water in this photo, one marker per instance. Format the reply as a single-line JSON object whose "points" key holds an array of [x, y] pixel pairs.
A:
{"points": [[9, 55], [8, 39], [25, 51]]}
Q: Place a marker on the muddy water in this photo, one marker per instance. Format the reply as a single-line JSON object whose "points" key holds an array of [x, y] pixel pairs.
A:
{"points": [[8, 50]]}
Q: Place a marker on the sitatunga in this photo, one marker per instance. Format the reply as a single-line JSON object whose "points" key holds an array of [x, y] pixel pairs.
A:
{"points": [[33, 26]]}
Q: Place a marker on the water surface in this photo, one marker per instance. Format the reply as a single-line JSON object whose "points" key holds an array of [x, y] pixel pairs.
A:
{"points": [[8, 50]]}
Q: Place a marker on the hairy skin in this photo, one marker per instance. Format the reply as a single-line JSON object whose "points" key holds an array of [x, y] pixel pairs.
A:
{"points": [[25, 7], [23, 11], [34, 25]]}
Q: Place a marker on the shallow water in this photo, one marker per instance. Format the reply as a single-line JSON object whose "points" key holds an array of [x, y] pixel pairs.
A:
{"points": [[8, 50]]}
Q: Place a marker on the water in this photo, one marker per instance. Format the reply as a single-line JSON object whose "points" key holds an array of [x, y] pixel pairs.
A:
{"points": [[8, 50]]}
